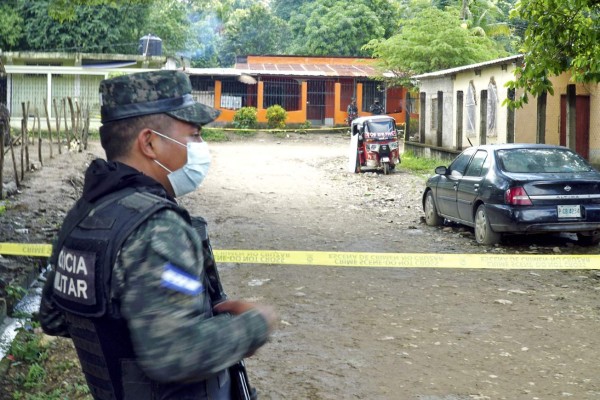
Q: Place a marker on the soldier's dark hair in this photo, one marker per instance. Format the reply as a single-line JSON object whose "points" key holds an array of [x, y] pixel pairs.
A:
{"points": [[117, 137]]}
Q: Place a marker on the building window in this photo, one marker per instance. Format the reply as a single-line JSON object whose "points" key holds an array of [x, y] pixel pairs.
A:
{"points": [[470, 110], [492, 108], [203, 89], [285, 92], [372, 90], [236, 94]]}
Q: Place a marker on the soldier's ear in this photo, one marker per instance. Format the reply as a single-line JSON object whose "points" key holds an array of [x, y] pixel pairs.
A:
{"points": [[145, 142]]}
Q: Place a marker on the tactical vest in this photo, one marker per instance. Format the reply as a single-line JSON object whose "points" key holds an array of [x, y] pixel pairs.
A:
{"points": [[83, 259]]}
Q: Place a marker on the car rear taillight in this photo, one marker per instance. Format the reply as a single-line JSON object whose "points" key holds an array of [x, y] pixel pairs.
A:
{"points": [[517, 196]]}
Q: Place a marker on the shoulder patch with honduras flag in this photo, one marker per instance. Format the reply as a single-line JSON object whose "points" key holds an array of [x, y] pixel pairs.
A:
{"points": [[176, 279]]}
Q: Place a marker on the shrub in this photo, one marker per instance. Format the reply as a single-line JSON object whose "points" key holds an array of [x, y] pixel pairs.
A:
{"points": [[245, 118], [276, 116], [414, 126]]}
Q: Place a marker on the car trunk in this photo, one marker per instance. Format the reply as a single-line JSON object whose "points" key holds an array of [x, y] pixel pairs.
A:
{"points": [[563, 192]]}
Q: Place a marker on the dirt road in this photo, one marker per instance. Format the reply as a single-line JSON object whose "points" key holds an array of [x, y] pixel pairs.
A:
{"points": [[377, 333]]}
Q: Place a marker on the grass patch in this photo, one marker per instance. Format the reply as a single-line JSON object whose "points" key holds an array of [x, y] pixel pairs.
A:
{"points": [[419, 165], [245, 132], [214, 135], [37, 369]]}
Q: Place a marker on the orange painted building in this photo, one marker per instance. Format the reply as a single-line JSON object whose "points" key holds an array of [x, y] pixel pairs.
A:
{"points": [[315, 89]]}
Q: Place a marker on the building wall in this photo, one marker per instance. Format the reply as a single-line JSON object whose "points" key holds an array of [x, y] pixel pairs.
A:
{"points": [[594, 92], [431, 87], [450, 86], [481, 80], [526, 121]]}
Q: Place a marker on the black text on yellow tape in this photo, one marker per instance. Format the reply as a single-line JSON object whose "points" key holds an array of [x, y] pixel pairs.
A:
{"points": [[409, 260], [385, 260], [26, 249]]}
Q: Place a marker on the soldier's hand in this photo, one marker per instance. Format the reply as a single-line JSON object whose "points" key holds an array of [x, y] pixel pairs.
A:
{"points": [[237, 307]]}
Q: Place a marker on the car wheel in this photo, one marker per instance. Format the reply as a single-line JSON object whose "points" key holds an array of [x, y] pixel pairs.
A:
{"points": [[483, 231], [432, 217], [588, 239]]}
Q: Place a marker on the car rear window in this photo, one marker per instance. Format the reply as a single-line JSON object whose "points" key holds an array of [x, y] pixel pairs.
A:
{"points": [[541, 161]]}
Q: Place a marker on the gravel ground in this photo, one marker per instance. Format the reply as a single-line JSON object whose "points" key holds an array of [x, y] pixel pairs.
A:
{"points": [[366, 333]]}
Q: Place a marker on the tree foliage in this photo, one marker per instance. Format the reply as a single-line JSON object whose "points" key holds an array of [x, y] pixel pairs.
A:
{"points": [[245, 33], [329, 27], [66, 10], [94, 26], [94, 29], [561, 36], [284, 8], [432, 40], [168, 19], [11, 29]]}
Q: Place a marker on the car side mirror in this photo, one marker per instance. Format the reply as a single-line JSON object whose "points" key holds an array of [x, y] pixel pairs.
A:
{"points": [[441, 170]]}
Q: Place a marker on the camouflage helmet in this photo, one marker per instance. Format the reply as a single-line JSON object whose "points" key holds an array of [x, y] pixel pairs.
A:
{"points": [[152, 92]]}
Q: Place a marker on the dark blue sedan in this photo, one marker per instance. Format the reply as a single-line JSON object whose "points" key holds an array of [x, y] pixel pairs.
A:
{"points": [[516, 188]]}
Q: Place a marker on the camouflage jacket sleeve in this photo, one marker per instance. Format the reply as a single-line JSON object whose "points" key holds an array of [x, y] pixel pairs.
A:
{"points": [[52, 319], [159, 281]]}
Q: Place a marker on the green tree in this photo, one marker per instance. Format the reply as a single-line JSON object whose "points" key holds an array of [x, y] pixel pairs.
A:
{"points": [[11, 29], [561, 36], [329, 27], [252, 31], [168, 19], [93, 29], [66, 10], [284, 8], [90, 26], [430, 41]]}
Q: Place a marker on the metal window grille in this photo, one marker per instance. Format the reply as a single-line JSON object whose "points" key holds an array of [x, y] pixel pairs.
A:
{"points": [[372, 90], [285, 92], [235, 94], [33, 88], [203, 89], [347, 92], [320, 101]]}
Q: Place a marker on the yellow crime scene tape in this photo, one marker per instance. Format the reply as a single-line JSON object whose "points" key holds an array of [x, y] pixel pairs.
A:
{"points": [[385, 260]]}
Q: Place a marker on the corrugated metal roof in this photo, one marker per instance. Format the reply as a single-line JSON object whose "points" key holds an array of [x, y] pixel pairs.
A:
{"points": [[464, 68], [307, 69]]}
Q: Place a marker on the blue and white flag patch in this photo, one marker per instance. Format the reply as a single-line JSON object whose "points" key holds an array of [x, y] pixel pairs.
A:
{"points": [[176, 279]]}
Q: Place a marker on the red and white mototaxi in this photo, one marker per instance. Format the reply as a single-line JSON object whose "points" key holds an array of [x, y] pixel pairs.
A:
{"points": [[373, 144]]}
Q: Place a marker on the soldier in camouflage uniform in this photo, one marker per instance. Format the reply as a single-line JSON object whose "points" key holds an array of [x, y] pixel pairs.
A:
{"points": [[128, 279], [376, 108]]}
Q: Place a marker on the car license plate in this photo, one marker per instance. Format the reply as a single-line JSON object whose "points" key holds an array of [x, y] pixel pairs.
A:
{"points": [[385, 159], [569, 211]]}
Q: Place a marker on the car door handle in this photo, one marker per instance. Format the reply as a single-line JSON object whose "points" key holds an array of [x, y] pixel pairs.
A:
{"points": [[476, 187]]}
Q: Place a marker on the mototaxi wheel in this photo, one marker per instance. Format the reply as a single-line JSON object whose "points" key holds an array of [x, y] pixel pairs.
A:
{"points": [[483, 231], [432, 218], [386, 168]]}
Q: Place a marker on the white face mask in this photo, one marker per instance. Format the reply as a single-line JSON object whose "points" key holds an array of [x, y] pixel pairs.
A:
{"points": [[189, 177]]}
